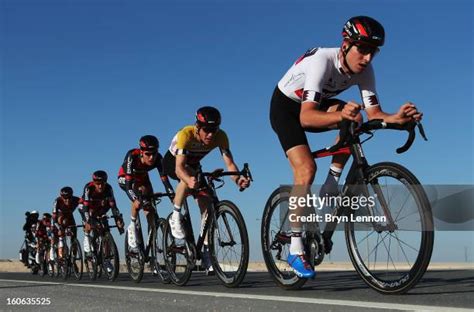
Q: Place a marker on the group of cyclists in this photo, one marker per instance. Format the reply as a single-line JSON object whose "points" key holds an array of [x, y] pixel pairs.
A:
{"points": [[181, 163], [302, 102]]}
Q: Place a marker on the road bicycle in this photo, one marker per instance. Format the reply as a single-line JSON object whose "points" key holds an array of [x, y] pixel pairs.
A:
{"points": [[72, 259], [151, 250], [103, 255], [390, 255], [226, 231]]}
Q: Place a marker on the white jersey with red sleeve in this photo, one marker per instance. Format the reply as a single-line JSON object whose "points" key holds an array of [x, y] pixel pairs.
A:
{"points": [[318, 75]]}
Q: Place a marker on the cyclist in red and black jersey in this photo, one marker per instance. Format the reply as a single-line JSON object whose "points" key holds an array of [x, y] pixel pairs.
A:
{"points": [[97, 199], [63, 209], [134, 180], [44, 234]]}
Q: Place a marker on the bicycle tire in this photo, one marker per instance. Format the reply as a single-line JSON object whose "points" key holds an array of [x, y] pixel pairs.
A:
{"points": [[224, 268], [392, 281], [64, 263], [158, 257], [76, 259], [135, 261], [177, 258], [279, 270], [108, 244]]}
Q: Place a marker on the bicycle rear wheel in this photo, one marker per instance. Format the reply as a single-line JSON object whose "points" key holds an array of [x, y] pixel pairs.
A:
{"points": [[229, 244], [110, 257], [178, 259], [275, 235], [135, 261], [391, 256], [75, 259]]}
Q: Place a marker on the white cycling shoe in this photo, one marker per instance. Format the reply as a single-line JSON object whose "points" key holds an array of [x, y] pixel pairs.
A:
{"points": [[132, 240], [177, 229]]}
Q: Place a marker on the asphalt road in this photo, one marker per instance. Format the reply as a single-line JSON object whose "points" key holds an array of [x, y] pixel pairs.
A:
{"points": [[330, 291]]}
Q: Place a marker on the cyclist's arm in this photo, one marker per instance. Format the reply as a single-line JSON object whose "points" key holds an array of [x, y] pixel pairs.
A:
{"points": [[224, 147], [55, 211], [310, 116], [129, 177], [112, 203], [230, 164], [181, 171], [85, 205], [405, 114]]}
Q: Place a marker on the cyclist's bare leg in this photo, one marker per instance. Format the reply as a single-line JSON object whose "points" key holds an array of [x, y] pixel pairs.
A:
{"points": [[304, 170]]}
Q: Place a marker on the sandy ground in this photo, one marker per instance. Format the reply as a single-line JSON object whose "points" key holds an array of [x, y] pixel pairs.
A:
{"points": [[7, 265]]}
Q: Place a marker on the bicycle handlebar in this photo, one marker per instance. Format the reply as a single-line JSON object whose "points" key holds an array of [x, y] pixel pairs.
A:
{"points": [[348, 131], [216, 174]]}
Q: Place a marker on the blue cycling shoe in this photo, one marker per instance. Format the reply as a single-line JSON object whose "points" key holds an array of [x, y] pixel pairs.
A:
{"points": [[301, 266]]}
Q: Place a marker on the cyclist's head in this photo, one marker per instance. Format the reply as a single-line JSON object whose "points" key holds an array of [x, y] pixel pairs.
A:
{"points": [[66, 192], [34, 213], [208, 117], [46, 216], [366, 35], [99, 177], [208, 120], [149, 143], [364, 29]]}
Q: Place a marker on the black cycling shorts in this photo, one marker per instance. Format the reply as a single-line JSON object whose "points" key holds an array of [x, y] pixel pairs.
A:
{"points": [[285, 119]]}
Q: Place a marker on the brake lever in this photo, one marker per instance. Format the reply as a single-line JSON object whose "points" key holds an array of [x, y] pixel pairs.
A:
{"points": [[422, 130], [246, 173]]}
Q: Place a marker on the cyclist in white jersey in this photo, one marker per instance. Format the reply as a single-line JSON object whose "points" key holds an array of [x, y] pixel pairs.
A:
{"points": [[302, 102]]}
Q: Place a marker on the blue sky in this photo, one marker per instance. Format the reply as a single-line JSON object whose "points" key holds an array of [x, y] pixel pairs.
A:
{"points": [[83, 80]]}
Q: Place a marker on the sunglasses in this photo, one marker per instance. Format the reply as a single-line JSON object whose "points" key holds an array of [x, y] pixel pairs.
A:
{"points": [[210, 129], [99, 182], [366, 49], [149, 154]]}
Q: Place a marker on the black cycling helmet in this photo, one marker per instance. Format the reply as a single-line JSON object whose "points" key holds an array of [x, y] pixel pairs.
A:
{"points": [[66, 192], [100, 176], [208, 116], [47, 215], [149, 143], [364, 29]]}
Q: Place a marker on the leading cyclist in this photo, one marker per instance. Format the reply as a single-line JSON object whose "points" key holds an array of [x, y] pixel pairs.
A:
{"points": [[303, 102]]}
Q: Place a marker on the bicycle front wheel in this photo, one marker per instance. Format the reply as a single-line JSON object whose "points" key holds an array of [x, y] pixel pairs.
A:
{"points": [[158, 254], [76, 259], [276, 237], [229, 244], [135, 261], [178, 259], [110, 257], [390, 241]]}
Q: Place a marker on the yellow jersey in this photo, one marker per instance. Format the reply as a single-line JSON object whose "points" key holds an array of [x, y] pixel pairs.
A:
{"points": [[186, 143]]}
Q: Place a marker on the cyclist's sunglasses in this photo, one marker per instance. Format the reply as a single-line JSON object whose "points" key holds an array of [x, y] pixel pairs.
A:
{"points": [[210, 129], [99, 182], [149, 154], [366, 49], [66, 196]]}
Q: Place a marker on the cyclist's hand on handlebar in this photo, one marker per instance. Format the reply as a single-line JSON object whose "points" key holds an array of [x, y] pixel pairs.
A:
{"points": [[408, 112], [350, 111], [192, 182], [242, 182]]}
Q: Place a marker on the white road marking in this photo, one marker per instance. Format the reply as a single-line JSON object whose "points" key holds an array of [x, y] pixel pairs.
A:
{"points": [[347, 303]]}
